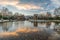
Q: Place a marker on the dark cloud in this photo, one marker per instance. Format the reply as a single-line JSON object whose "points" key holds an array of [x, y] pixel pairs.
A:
{"points": [[41, 3], [36, 2]]}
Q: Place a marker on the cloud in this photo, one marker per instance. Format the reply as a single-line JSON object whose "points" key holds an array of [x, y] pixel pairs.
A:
{"points": [[7, 2], [56, 3], [28, 7], [19, 6]]}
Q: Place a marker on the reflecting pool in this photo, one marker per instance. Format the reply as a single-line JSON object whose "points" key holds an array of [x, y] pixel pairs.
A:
{"points": [[25, 30]]}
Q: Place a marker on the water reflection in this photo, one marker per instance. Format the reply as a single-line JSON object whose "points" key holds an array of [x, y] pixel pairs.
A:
{"points": [[6, 26], [45, 24], [12, 26], [48, 24], [23, 29], [35, 23], [57, 27]]}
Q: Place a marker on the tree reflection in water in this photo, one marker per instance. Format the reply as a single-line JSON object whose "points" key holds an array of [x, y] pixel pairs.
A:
{"points": [[15, 31], [48, 24], [35, 24], [6, 26]]}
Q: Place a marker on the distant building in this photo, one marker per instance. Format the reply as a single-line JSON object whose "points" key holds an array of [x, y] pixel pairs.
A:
{"points": [[48, 14], [18, 16], [41, 15], [21, 17], [28, 17], [57, 12], [35, 17], [9, 14], [5, 12]]}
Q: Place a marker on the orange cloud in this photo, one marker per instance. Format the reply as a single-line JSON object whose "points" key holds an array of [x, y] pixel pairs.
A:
{"points": [[19, 6], [6, 2], [28, 6]]}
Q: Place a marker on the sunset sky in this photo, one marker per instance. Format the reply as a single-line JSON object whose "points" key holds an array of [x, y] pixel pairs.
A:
{"points": [[29, 7]]}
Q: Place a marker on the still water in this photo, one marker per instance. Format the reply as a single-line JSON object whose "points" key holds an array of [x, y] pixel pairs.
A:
{"points": [[13, 26], [26, 27]]}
